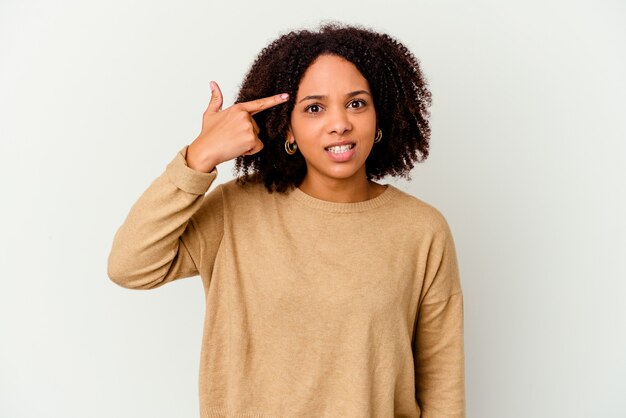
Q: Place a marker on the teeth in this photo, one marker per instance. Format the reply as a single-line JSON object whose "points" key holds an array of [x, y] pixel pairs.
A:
{"points": [[340, 148]]}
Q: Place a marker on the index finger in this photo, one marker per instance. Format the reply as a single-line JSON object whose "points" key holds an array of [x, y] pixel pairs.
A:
{"points": [[255, 106]]}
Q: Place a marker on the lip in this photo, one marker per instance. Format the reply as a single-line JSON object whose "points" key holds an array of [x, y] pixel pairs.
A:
{"points": [[334, 144], [342, 156]]}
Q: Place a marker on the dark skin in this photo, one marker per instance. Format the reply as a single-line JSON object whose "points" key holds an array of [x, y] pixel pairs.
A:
{"points": [[334, 105], [229, 133]]}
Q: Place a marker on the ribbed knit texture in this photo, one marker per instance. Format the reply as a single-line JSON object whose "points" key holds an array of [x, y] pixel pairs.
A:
{"points": [[313, 308]]}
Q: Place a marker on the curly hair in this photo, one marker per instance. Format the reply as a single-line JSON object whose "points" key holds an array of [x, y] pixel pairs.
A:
{"points": [[399, 91]]}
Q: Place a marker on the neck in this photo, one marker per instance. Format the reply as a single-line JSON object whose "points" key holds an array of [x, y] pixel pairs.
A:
{"points": [[341, 190]]}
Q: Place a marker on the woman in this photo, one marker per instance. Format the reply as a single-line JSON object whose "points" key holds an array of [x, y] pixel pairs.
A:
{"points": [[327, 294]]}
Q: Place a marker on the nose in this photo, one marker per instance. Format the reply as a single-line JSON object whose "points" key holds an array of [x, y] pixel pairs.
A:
{"points": [[338, 121]]}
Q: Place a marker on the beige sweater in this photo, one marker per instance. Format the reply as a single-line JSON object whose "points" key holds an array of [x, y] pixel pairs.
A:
{"points": [[313, 308]]}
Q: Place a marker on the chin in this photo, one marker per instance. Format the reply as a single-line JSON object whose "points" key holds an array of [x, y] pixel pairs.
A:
{"points": [[344, 174]]}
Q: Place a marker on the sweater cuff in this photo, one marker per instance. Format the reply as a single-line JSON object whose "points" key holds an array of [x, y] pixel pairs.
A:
{"points": [[186, 178]]}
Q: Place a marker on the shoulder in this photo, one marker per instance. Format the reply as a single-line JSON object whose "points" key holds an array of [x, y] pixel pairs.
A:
{"points": [[233, 193], [237, 188], [418, 213], [247, 197]]}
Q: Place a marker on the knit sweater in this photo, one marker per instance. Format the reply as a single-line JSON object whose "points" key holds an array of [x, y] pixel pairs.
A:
{"points": [[313, 308]]}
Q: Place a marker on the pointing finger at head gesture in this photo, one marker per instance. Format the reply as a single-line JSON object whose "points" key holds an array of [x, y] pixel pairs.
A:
{"points": [[228, 134], [255, 106]]}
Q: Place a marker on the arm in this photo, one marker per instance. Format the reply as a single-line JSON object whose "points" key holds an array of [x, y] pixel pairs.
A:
{"points": [[438, 346], [160, 241], [172, 229]]}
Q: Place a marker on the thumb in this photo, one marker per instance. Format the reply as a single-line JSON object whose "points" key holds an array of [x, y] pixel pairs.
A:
{"points": [[215, 105]]}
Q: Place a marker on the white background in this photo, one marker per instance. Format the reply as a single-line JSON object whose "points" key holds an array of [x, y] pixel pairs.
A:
{"points": [[527, 164]]}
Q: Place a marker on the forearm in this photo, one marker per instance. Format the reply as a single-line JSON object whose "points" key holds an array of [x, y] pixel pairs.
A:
{"points": [[147, 250]]}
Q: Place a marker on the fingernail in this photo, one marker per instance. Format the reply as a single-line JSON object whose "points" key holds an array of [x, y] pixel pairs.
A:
{"points": [[284, 96], [212, 86]]}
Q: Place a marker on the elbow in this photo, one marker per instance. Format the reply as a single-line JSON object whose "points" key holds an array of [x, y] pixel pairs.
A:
{"points": [[121, 277], [129, 281], [125, 276], [118, 268], [121, 280]]}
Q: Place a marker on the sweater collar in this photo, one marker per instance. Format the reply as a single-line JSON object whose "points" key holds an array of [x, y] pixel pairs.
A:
{"points": [[327, 206]]}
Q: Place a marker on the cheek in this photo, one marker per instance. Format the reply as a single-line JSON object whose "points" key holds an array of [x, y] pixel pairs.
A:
{"points": [[305, 127]]}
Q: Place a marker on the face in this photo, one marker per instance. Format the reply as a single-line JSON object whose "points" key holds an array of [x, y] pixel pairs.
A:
{"points": [[333, 121]]}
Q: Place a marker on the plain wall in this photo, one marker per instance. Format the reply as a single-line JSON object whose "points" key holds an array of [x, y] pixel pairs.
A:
{"points": [[527, 163]]}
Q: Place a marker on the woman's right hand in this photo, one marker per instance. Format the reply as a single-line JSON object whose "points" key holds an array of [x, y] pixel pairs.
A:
{"points": [[230, 133]]}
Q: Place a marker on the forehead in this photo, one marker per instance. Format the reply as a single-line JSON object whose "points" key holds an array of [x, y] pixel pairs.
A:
{"points": [[331, 74]]}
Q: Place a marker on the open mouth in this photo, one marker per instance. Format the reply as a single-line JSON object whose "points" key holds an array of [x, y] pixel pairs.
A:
{"points": [[338, 149]]}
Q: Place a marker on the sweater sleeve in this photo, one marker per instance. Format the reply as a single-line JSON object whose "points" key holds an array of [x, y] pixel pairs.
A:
{"points": [[159, 240], [438, 345]]}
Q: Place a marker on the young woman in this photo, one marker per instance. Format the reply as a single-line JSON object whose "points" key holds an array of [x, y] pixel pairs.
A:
{"points": [[327, 294]]}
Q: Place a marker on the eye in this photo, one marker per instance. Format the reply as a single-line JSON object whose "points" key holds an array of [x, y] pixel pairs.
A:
{"points": [[314, 108], [356, 104]]}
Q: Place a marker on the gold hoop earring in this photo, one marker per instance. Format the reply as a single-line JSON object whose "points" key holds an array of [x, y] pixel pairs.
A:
{"points": [[379, 135], [290, 148]]}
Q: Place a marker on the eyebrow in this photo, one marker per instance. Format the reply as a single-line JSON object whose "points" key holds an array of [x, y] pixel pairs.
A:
{"points": [[320, 97]]}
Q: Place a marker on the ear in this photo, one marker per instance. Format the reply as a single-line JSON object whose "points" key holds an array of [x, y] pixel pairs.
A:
{"points": [[290, 136]]}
